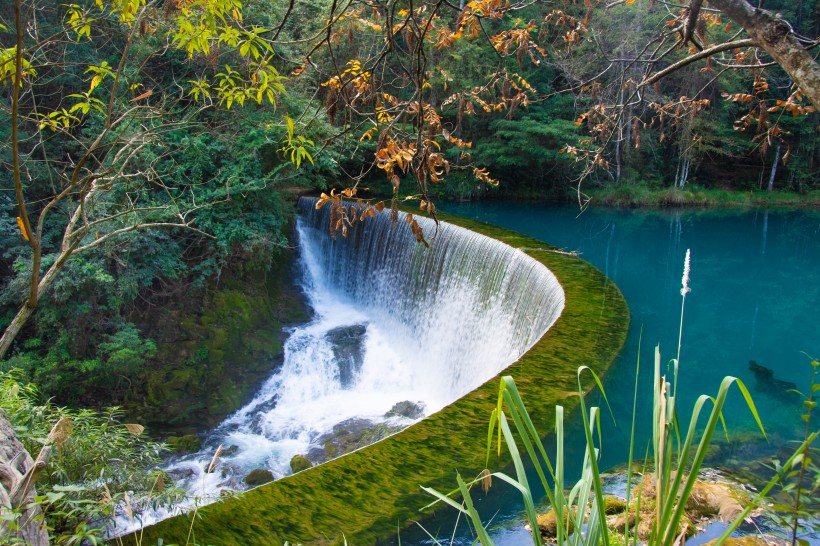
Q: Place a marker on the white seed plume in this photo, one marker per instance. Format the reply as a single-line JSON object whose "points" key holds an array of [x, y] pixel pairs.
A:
{"points": [[685, 279]]}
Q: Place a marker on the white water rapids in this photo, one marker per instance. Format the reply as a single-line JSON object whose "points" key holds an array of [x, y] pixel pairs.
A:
{"points": [[393, 322]]}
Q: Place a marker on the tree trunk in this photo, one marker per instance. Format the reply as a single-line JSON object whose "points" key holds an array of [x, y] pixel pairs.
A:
{"points": [[775, 36], [14, 328], [18, 474], [27, 310]]}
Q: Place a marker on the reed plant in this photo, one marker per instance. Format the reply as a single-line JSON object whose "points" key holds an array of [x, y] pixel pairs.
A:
{"points": [[676, 458]]}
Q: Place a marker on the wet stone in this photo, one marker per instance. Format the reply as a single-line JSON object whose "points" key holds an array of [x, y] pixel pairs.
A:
{"points": [[408, 409], [348, 348], [299, 463], [348, 436], [258, 476], [189, 443]]}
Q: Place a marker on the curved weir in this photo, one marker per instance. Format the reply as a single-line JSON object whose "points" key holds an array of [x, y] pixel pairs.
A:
{"points": [[455, 314], [434, 325]]}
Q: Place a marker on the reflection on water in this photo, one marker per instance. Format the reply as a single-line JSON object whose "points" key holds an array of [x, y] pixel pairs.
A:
{"points": [[755, 283]]}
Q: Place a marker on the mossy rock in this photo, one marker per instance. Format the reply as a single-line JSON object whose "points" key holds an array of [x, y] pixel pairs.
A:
{"points": [[714, 500], [707, 501], [349, 435], [382, 480], [548, 524], [408, 409], [258, 476], [299, 463], [614, 505], [190, 443]]}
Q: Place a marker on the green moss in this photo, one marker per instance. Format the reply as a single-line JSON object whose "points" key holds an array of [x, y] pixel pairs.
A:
{"points": [[214, 347], [614, 505], [548, 523], [299, 463], [258, 476], [381, 482], [189, 443]]}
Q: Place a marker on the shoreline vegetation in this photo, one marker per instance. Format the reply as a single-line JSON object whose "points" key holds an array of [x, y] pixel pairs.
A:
{"points": [[625, 196], [694, 197]]}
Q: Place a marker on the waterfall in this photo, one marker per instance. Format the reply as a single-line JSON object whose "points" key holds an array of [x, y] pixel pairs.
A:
{"points": [[399, 331], [462, 310]]}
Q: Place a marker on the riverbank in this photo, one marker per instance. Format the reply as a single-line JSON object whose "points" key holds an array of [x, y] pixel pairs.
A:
{"points": [[628, 196], [624, 196]]}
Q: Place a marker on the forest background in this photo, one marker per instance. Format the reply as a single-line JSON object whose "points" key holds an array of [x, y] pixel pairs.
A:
{"points": [[161, 144]]}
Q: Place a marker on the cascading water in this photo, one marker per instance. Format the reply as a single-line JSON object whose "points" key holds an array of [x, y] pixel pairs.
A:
{"points": [[399, 332]]}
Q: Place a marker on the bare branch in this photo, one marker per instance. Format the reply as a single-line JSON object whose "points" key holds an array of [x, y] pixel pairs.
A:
{"points": [[694, 58]]}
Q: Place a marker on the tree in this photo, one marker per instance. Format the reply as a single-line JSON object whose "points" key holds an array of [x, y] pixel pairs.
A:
{"points": [[397, 87], [97, 139], [399, 82]]}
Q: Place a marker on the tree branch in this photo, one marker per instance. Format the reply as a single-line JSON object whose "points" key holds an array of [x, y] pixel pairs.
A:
{"points": [[694, 58], [776, 37]]}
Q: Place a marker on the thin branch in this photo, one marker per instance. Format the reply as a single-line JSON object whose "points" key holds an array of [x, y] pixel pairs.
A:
{"points": [[694, 58], [151, 225]]}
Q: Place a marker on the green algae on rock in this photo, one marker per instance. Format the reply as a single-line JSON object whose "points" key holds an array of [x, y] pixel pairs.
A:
{"points": [[259, 476], [299, 463], [190, 443], [362, 496], [214, 347]]}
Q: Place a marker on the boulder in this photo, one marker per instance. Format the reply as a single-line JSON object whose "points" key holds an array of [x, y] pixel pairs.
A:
{"points": [[347, 343], [258, 476], [299, 463], [348, 436], [408, 409]]}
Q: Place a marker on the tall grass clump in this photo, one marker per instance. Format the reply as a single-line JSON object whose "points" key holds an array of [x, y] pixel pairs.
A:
{"points": [[99, 466], [675, 454]]}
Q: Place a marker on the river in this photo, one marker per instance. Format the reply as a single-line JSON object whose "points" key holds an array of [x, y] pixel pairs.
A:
{"points": [[755, 281]]}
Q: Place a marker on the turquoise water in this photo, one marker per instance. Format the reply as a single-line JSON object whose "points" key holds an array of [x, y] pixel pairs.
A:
{"points": [[755, 280]]}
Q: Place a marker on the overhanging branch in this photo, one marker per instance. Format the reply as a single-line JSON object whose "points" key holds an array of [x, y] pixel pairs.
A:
{"points": [[694, 58]]}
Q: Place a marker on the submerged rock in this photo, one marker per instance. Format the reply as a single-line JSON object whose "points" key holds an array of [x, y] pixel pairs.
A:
{"points": [[411, 410], [753, 540], [258, 476], [767, 383], [299, 463], [348, 348]]}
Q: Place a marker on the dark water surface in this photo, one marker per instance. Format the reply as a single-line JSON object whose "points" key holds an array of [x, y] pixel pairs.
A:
{"points": [[755, 280]]}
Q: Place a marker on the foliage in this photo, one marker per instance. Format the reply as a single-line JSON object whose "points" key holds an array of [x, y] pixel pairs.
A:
{"points": [[798, 496], [135, 139], [675, 470], [100, 467], [493, 88]]}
